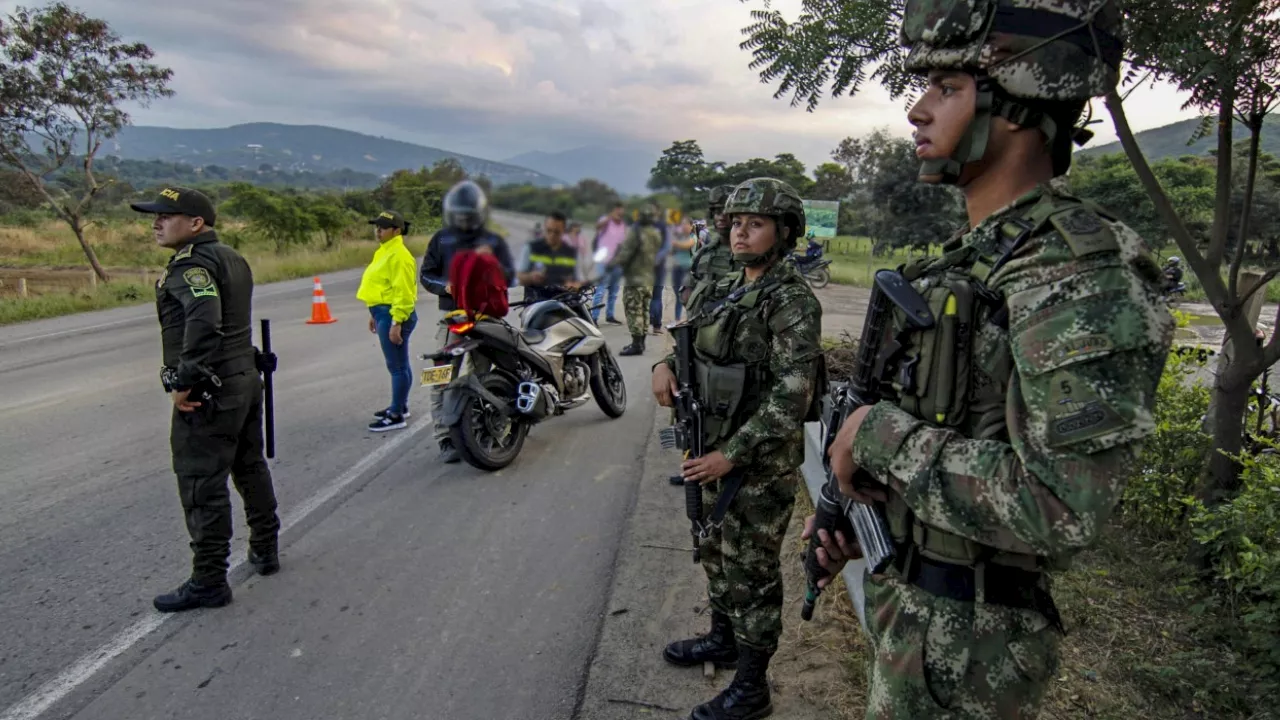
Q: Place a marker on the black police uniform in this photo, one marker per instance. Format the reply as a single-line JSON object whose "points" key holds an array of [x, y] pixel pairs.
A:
{"points": [[204, 305], [559, 266]]}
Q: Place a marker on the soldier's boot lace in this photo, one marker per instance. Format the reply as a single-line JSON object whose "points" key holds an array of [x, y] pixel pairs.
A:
{"points": [[747, 697], [635, 348], [191, 595], [717, 646]]}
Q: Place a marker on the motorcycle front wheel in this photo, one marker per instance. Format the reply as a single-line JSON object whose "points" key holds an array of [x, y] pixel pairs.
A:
{"points": [[485, 437], [607, 385], [819, 278]]}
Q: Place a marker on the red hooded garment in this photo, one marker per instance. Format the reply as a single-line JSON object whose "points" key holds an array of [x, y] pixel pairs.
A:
{"points": [[479, 285]]}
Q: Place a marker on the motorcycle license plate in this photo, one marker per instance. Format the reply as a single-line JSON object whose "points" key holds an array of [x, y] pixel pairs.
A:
{"points": [[437, 375]]}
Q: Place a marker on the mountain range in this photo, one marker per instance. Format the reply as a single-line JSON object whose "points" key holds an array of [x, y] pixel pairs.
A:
{"points": [[1171, 140], [625, 169], [302, 148]]}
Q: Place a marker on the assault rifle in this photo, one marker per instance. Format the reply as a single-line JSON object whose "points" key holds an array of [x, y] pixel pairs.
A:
{"points": [[687, 435], [834, 511]]}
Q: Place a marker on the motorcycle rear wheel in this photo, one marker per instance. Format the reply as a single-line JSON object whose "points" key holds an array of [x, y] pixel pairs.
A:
{"points": [[484, 437]]}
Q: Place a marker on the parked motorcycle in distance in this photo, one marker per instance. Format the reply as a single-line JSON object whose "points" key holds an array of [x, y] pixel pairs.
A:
{"points": [[499, 380]]}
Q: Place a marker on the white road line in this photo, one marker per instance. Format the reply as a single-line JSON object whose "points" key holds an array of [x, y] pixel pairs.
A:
{"points": [[33, 705]]}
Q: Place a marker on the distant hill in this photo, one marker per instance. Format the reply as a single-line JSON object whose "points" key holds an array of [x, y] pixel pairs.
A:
{"points": [[1171, 140], [624, 169], [301, 148]]}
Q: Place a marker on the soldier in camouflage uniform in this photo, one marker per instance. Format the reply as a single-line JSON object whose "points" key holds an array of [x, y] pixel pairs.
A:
{"points": [[712, 260], [637, 256], [1007, 459], [758, 354]]}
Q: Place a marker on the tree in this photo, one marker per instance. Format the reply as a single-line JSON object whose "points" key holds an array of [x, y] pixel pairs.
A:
{"points": [[832, 181], [330, 217], [63, 79], [681, 169], [1222, 52], [282, 219]]}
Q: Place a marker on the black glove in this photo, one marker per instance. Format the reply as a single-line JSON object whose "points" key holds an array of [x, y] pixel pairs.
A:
{"points": [[266, 362]]}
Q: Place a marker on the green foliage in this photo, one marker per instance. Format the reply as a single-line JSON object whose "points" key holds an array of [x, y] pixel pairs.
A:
{"points": [[1110, 181], [586, 201]]}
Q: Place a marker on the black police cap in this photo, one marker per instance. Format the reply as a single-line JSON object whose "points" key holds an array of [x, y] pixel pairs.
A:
{"points": [[180, 201], [389, 219]]}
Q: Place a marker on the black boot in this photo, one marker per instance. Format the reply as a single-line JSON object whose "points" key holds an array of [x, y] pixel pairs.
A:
{"points": [[717, 646], [747, 697], [266, 561], [191, 595], [636, 347]]}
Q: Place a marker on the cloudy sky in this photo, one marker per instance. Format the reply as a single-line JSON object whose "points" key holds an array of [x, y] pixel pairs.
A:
{"points": [[495, 78]]}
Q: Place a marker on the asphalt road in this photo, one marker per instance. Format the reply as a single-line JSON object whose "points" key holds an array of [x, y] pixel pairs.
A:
{"points": [[409, 589]]}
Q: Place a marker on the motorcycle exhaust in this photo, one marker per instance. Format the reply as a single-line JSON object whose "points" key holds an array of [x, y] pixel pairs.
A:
{"points": [[530, 400]]}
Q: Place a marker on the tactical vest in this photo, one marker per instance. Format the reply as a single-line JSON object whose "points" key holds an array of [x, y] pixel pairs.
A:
{"points": [[712, 262], [558, 264], [956, 373]]}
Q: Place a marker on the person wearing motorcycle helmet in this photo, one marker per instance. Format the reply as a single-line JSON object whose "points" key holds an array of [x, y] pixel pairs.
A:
{"points": [[713, 259], [757, 352], [1173, 271], [997, 463], [466, 212]]}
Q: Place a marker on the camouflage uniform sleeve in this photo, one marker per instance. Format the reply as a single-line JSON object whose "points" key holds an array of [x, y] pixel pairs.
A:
{"points": [[193, 286], [1089, 342], [628, 250], [795, 325]]}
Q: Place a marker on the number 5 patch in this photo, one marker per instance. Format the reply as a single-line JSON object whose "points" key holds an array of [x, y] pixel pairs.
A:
{"points": [[200, 282]]}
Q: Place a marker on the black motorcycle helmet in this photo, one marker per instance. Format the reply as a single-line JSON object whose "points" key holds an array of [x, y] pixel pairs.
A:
{"points": [[466, 208]]}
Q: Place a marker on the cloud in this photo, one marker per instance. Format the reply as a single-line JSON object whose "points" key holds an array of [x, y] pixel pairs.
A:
{"points": [[495, 78]]}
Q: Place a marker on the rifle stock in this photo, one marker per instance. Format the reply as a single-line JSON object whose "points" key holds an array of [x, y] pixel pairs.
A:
{"points": [[833, 511]]}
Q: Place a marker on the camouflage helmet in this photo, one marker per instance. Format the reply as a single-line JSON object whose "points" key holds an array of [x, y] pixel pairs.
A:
{"points": [[770, 197], [1057, 51], [718, 196]]}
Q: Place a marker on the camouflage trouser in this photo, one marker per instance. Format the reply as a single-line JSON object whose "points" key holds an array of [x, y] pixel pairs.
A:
{"points": [[744, 575], [635, 302], [941, 658]]}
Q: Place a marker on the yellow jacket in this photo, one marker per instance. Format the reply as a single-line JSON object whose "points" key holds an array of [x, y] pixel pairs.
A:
{"points": [[391, 279]]}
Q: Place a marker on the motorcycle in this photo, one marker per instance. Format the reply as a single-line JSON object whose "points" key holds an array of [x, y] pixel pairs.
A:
{"points": [[499, 380], [1173, 290], [815, 270]]}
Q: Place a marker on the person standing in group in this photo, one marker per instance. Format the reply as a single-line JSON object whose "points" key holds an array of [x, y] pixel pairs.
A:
{"points": [[389, 288], [573, 238], [211, 372], [611, 231], [549, 266], [667, 228], [466, 213], [683, 243], [713, 259], [758, 354], [1007, 455], [635, 261]]}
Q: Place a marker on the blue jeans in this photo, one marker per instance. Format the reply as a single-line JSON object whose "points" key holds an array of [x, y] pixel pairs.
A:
{"points": [[678, 275], [612, 279], [397, 356], [655, 305]]}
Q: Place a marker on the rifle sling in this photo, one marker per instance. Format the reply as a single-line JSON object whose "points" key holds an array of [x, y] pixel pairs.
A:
{"points": [[732, 484]]}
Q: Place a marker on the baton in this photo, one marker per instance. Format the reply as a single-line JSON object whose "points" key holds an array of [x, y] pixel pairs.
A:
{"points": [[268, 396]]}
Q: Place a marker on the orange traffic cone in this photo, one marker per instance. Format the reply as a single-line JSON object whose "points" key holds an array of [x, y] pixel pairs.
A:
{"points": [[320, 307]]}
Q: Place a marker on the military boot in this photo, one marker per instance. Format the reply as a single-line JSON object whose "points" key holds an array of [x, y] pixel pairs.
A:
{"points": [[636, 347], [191, 595], [266, 561], [717, 646], [747, 697]]}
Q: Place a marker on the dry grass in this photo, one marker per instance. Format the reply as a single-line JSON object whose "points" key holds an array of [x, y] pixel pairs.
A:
{"points": [[822, 661]]}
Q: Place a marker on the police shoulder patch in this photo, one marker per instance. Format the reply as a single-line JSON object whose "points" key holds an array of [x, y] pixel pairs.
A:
{"points": [[200, 282], [1084, 232]]}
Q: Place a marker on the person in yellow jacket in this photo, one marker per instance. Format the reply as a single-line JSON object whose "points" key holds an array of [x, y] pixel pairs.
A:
{"points": [[390, 289]]}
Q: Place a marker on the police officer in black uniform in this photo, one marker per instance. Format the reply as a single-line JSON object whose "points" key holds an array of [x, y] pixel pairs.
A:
{"points": [[548, 266], [211, 371]]}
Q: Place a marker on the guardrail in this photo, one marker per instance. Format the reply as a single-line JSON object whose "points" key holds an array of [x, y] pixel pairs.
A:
{"points": [[814, 478]]}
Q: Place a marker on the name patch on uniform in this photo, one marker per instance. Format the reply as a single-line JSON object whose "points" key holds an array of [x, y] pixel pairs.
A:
{"points": [[200, 282], [1083, 345]]}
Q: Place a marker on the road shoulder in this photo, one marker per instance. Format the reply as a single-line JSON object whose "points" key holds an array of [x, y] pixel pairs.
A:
{"points": [[659, 595]]}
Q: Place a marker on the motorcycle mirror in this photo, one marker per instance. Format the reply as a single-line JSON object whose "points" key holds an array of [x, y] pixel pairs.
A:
{"points": [[601, 255]]}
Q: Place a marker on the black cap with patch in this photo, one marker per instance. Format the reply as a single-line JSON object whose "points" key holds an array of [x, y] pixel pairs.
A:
{"points": [[180, 201], [389, 219]]}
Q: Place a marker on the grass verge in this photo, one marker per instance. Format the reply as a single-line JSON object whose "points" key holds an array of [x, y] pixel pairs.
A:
{"points": [[268, 266]]}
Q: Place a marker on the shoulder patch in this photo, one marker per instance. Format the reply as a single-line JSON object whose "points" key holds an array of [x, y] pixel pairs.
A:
{"points": [[1076, 413], [200, 281], [1084, 232]]}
